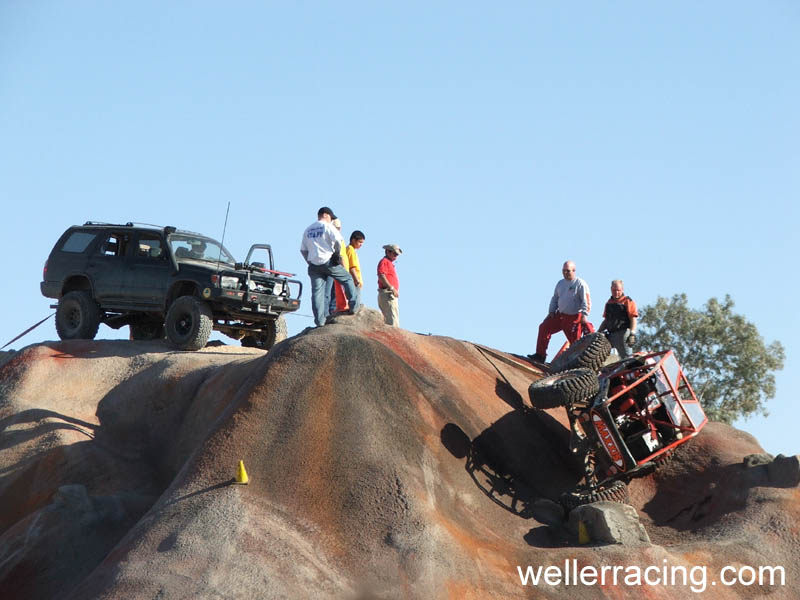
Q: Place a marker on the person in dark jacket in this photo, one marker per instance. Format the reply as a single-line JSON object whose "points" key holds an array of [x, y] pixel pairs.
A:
{"points": [[619, 319]]}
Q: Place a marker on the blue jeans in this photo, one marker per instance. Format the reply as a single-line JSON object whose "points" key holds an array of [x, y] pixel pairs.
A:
{"points": [[330, 296], [318, 275]]}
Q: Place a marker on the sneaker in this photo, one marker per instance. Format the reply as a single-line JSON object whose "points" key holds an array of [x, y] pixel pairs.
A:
{"points": [[536, 358], [356, 310]]}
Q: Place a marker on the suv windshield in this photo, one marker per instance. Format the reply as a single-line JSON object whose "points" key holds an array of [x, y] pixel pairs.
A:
{"points": [[187, 246]]}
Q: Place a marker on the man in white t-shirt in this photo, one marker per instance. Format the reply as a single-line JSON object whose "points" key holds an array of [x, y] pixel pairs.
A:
{"points": [[320, 248]]}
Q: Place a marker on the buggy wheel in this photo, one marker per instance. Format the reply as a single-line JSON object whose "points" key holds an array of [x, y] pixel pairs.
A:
{"points": [[654, 465], [77, 316], [146, 330], [563, 389], [589, 352], [188, 323], [274, 332], [616, 491]]}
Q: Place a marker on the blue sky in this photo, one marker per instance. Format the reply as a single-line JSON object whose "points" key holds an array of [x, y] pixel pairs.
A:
{"points": [[653, 143]]}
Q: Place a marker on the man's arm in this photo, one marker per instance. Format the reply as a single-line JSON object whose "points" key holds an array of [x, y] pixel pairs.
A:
{"points": [[553, 307], [583, 291], [356, 278]]}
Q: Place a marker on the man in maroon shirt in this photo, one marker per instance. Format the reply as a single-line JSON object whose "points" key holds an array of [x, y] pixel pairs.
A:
{"points": [[388, 286]]}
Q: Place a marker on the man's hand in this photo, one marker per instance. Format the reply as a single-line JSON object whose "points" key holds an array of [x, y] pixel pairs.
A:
{"points": [[583, 318], [631, 339]]}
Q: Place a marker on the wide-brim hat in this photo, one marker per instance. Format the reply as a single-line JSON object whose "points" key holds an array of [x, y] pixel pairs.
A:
{"points": [[394, 248]]}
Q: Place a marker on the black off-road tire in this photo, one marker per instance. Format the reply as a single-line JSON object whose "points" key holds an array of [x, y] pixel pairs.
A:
{"points": [[563, 389], [652, 466], [274, 332], [616, 491], [77, 316], [589, 352], [147, 330], [189, 323]]}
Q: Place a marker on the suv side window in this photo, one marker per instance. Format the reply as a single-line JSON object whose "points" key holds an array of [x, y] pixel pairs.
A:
{"points": [[78, 241], [150, 246], [114, 245]]}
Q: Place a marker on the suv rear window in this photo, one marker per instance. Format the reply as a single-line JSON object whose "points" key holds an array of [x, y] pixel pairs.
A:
{"points": [[78, 241]]}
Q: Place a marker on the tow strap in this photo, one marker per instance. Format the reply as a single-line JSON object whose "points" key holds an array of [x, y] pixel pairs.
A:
{"points": [[28, 330]]}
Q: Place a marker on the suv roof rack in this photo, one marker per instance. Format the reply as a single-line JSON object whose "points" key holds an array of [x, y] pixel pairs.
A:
{"points": [[104, 224]]}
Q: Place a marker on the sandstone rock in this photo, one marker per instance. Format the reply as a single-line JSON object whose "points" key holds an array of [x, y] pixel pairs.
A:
{"points": [[610, 523]]}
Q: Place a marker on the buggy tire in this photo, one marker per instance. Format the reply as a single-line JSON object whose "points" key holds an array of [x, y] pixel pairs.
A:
{"points": [[654, 465], [589, 352], [77, 316], [274, 332], [616, 491], [563, 389], [189, 323], [146, 330]]}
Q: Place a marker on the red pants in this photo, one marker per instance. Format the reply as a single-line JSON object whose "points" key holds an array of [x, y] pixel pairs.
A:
{"points": [[570, 325]]}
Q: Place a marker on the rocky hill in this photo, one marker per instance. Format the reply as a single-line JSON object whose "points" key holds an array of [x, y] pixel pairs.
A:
{"points": [[381, 463]]}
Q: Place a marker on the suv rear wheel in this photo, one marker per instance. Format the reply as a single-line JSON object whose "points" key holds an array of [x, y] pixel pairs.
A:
{"points": [[77, 316], [188, 323]]}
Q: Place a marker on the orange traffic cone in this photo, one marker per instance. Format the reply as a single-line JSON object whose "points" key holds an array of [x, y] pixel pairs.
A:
{"points": [[241, 474]]}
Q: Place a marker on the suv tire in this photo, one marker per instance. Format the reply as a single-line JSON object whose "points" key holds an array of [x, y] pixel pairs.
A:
{"points": [[77, 316], [188, 323], [616, 491], [274, 332], [589, 352], [563, 389]]}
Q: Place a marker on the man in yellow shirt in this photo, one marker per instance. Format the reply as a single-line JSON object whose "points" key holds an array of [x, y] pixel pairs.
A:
{"points": [[356, 241]]}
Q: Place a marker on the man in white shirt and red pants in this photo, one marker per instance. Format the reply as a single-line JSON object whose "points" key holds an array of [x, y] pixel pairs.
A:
{"points": [[568, 312]]}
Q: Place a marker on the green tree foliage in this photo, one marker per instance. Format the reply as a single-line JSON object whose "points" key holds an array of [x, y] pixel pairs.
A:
{"points": [[722, 353]]}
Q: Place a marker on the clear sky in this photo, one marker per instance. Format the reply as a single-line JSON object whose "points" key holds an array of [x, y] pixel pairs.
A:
{"points": [[653, 142]]}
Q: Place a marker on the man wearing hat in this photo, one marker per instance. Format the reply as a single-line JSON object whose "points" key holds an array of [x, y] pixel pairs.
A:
{"points": [[320, 248], [388, 286]]}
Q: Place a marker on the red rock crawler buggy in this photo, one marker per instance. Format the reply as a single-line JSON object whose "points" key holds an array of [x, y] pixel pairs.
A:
{"points": [[625, 420]]}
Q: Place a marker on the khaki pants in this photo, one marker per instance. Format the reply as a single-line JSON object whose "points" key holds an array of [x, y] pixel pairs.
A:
{"points": [[390, 307]]}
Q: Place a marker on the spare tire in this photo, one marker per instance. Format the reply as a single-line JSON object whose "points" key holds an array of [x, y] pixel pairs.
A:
{"points": [[589, 352], [616, 491], [563, 389]]}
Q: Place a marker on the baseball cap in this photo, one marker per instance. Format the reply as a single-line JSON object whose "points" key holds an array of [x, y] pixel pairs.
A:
{"points": [[325, 210]]}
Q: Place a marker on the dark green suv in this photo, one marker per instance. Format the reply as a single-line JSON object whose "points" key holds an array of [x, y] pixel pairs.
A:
{"points": [[162, 280]]}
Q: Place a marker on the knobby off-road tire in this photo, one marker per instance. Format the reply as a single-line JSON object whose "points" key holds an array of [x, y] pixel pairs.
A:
{"points": [[589, 352], [614, 492], [652, 466], [188, 323], [274, 332], [77, 316], [563, 389], [148, 330]]}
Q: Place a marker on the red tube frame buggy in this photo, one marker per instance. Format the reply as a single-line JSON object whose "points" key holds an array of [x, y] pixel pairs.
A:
{"points": [[644, 409]]}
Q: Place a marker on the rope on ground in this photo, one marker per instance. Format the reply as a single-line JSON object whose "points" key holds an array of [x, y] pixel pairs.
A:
{"points": [[507, 360], [28, 330]]}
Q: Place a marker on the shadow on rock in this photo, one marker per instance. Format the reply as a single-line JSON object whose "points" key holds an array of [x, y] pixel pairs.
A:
{"points": [[522, 463]]}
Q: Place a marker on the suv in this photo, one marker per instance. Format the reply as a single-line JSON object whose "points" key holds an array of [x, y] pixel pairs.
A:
{"points": [[162, 279], [624, 421]]}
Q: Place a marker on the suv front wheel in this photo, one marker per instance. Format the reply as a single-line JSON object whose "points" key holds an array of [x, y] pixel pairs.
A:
{"points": [[188, 323], [77, 316]]}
